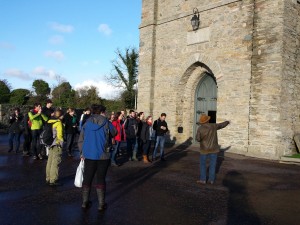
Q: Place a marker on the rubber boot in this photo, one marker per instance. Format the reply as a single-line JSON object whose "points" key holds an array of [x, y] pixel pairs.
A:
{"points": [[86, 203], [134, 158], [145, 159], [101, 199]]}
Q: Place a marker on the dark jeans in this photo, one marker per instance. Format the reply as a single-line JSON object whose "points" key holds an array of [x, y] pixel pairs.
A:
{"points": [[70, 141], [114, 151], [131, 144], [212, 166], [35, 143], [160, 141], [14, 137], [146, 147], [92, 168], [27, 141], [139, 145]]}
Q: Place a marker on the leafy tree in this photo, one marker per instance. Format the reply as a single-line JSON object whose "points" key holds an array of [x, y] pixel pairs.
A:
{"points": [[124, 74], [87, 96], [128, 97], [5, 88], [113, 105], [42, 90], [19, 96], [63, 95]]}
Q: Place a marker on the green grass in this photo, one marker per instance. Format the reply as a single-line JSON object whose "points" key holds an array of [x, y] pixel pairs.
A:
{"points": [[297, 156]]}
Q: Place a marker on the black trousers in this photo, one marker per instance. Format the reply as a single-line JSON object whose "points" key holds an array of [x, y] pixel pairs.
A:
{"points": [[96, 168], [27, 141], [35, 143], [70, 142], [146, 147]]}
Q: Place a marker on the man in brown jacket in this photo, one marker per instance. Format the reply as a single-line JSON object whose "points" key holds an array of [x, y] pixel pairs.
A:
{"points": [[209, 147]]}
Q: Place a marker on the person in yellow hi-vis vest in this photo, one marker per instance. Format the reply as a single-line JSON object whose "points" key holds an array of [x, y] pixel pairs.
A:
{"points": [[55, 150]]}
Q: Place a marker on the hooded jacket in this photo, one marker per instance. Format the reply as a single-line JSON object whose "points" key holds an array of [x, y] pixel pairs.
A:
{"points": [[92, 140]]}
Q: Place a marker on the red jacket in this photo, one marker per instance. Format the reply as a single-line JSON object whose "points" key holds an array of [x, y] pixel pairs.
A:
{"points": [[118, 126]]}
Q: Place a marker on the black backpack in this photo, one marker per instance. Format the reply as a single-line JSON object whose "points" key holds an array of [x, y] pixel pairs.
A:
{"points": [[46, 137]]}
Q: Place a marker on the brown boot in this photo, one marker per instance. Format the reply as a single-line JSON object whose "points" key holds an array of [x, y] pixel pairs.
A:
{"points": [[145, 159]]}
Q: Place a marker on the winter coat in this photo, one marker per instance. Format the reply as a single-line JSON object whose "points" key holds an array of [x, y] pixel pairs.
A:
{"points": [[119, 128], [131, 128], [15, 122], [140, 125], [47, 111], [37, 120], [70, 122], [146, 132], [92, 140], [25, 123], [208, 137], [156, 126]]}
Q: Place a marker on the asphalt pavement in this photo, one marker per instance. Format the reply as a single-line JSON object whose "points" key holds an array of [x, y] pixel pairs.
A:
{"points": [[247, 191]]}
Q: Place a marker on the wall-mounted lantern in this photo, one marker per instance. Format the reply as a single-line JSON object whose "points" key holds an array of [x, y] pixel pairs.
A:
{"points": [[195, 21]]}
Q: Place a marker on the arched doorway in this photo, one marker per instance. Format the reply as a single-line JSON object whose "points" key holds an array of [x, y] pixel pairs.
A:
{"points": [[206, 99]]}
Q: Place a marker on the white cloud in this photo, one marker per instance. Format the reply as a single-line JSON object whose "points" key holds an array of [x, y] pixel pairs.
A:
{"points": [[62, 28], [56, 40], [41, 71], [57, 55], [17, 74], [105, 29], [7, 46], [105, 90]]}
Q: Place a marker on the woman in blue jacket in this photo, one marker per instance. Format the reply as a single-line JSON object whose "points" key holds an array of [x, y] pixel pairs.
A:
{"points": [[93, 144]]}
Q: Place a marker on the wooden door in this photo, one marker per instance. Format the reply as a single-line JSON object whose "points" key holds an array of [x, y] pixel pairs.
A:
{"points": [[206, 100]]}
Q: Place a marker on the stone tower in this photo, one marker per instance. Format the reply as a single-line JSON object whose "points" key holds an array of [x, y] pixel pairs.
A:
{"points": [[242, 65]]}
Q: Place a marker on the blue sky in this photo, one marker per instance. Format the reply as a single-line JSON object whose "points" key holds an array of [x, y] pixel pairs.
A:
{"points": [[75, 40]]}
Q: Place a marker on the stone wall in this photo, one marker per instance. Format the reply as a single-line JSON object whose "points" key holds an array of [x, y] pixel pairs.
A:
{"points": [[252, 50], [179, 65], [265, 111], [290, 104]]}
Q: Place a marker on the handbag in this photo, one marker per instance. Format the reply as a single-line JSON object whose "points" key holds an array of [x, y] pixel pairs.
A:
{"points": [[79, 174]]}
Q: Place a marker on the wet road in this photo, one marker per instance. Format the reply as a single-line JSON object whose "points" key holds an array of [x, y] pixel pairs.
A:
{"points": [[247, 191]]}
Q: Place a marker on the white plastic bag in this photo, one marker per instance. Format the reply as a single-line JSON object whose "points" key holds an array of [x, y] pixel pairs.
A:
{"points": [[79, 174]]}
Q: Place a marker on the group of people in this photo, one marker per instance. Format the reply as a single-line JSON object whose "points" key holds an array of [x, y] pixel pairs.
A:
{"points": [[99, 143], [31, 125], [100, 139], [139, 133]]}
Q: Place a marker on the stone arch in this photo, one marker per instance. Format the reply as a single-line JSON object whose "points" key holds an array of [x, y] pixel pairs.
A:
{"points": [[195, 68]]}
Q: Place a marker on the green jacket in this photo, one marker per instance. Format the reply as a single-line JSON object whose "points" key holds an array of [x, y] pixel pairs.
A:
{"points": [[37, 120]]}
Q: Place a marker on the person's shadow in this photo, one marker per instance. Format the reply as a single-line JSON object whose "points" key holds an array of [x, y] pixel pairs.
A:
{"points": [[221, 158], [240, 212]]}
